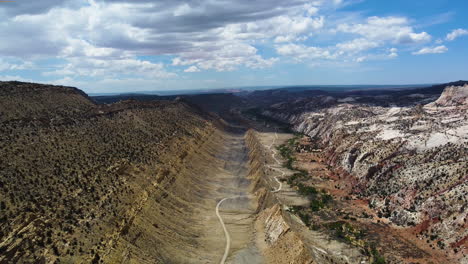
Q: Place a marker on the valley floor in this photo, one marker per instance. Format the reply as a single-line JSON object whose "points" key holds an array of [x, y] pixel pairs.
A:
{"points": [[216, 171]]}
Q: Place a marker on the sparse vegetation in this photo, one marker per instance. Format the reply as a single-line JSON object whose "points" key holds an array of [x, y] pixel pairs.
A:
{"points": [[257, 114], [70, 168], [400, 158]]}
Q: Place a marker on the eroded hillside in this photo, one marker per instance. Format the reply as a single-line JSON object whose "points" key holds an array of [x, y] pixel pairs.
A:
{"points": [[408, 161], [74, 176]]}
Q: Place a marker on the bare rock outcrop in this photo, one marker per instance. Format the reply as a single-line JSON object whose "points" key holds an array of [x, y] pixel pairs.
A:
{"points": [[453, 96], [409, 162]]}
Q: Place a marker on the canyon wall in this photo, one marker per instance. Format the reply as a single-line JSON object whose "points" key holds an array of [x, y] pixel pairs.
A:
{"points": [[281, 236], [280, 243], [408, 162]]}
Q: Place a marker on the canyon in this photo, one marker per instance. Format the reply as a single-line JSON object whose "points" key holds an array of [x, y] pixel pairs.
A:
{"points": [[363, 177]]}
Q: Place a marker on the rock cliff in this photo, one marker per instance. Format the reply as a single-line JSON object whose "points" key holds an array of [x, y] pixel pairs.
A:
{"points": [[409, 162]]}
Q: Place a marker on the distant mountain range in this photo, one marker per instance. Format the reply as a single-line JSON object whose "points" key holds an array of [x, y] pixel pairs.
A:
{"points": [[292, 88]]}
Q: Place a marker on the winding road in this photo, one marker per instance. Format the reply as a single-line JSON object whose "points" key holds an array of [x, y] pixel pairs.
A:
{"points": [[278, 162], [226, 233]]}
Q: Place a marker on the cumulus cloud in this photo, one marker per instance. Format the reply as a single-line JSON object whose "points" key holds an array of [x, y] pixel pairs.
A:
{"points": [[4, 65], [387, 54], [354, 50], [393, 53], [208, 34], [357, 45], [96, 67], [113, 39], [456, 33], [369, 41], [431, 50], [301, 52], [192, 69], [15, 8], [147, 27], [10, 65], [226, 57], [386, 29]]}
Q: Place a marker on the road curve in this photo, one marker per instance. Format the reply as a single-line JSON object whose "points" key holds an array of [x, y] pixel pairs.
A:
{"points": [[278, 162], [226, 233], [280, 185]]}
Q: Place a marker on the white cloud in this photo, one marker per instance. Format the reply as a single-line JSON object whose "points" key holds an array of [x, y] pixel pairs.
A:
{"points": [[393, 53], [357, 45], [361, 59], [311, 9], [224, 58], [386, 29], [390, 53], [337, 2], [192, 69], [107, 39], [4, 65], [284, 28], [456, 33], [196, 32], [431, 50], [301, 52], [107, 68], [181, 10], [9, 65], [357, 50]]}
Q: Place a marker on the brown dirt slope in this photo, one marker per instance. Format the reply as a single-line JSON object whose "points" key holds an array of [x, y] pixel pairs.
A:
{"points": [[74, 175]]}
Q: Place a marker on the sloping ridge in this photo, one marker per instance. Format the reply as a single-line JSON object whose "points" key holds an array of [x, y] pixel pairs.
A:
{"points": [[83, 183], [32, 101]]}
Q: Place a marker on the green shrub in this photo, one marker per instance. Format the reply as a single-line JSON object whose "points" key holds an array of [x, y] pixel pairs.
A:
{"points": [[378, 259], [316, 205], [326, 198], [306, 190]]}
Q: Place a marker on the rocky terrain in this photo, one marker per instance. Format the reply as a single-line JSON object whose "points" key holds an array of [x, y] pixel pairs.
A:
{"points": [[402, 153], [132, 182], [373, 177], [76, 177]]}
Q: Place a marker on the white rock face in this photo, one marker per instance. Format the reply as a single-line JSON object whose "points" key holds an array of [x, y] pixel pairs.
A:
{"points": [[411, 161], [453, 96], [275, 226]]}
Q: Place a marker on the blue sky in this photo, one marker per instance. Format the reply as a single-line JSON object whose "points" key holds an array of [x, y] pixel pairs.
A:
{"points": [[136, 45]]}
